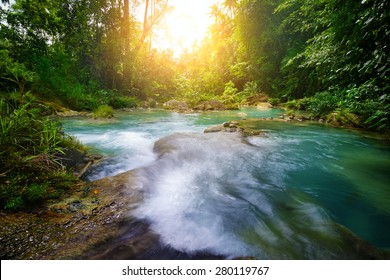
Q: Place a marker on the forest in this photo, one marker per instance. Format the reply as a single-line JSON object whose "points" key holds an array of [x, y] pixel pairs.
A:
{"points": [[322, 56], [276, 189], [330, 58]]}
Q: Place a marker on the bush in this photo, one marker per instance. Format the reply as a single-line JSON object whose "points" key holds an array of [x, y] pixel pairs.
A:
{"points": [[29, 147], [372, 103], [250, 88], [37, 192], [299, 104], [82, 102], [324, 103], [274, 101], [230, 94], [118, 102], [104, 111]]}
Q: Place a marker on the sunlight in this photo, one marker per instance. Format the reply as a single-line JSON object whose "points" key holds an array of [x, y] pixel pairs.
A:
{"points": [[185, 26]]}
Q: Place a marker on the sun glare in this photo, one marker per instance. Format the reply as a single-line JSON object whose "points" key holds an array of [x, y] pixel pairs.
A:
{"points": [[185, 26]]}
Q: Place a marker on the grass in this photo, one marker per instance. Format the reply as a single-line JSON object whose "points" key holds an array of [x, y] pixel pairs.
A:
{"points": [[104, 111], [30, 142]]}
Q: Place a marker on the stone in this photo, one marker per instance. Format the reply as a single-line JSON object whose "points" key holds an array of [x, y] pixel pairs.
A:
{"points": [[209, 106], [256, 99], [176, 105], [242, 115], [215, 128], [232, 126]]}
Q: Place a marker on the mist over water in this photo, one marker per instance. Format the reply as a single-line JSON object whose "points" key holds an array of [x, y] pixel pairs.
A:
{"points": [[274, 196]]}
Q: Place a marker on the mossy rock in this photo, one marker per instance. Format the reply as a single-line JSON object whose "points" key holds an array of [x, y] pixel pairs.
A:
{"points": [[342, 118]]}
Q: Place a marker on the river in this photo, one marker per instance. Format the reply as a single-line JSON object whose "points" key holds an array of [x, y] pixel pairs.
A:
{"points": [[280, 195]]}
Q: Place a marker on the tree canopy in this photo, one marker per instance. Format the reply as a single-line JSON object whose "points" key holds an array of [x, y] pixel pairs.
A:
{"points": [[332, 54]]}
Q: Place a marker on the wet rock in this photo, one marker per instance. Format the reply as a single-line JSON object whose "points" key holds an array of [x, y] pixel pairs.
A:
{"points": [[176, 105], [242, 115], [75, 206], [71, 158], [66, 113], [263, 105], [232, 126], [343, 119], [71, 228], [215, 128], [216, 105], [256, 99], [212, 105]]}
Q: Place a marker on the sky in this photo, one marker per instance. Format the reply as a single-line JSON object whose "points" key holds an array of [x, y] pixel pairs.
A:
{"points": [[183, 27]]}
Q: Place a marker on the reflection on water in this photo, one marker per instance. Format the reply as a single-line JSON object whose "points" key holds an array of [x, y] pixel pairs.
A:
{"points": [[270, 197]]}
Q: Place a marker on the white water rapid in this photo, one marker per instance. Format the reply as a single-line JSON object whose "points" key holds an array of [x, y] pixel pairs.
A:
{"points": [[219, 193], [300, 191]]}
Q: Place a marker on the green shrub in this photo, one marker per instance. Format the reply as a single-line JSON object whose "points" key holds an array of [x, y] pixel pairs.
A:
{"points": [[379, 118], [29, 147], [37, 192], [230, 94], [274, 101], [118, 102], [104, 111], [292, 104], [371, 103], [83, 102], [299, 104], [250, 88], [324, 103], [14, 204]]}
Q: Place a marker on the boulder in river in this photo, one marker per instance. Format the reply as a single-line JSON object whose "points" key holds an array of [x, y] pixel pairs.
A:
{"points": [[225, 127], [232, 126], [176, 105], [212, 105]]}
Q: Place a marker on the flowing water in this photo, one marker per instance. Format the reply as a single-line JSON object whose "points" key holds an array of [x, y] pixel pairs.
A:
{"points": [[281, 195]]}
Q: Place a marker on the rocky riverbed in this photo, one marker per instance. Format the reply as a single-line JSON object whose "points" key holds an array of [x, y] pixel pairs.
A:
{"points": [[73, 228]]}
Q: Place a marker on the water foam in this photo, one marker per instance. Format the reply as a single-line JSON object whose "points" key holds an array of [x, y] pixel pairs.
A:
{"points": [[127, 150], [215, 193]]}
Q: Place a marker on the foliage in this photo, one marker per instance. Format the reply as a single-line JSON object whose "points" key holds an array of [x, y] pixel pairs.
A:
{"points": [[230, 94], [117, 102], [338, 49], [274, 101], [104, 111], [301, 104], [30, 146], [324, 103], [327, 55]]}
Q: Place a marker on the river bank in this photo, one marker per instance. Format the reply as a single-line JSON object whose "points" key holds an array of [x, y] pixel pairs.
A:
{"points": [[71, 228]]}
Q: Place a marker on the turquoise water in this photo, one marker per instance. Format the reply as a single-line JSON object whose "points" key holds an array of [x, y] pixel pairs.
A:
{"points": [[272, 196]]}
